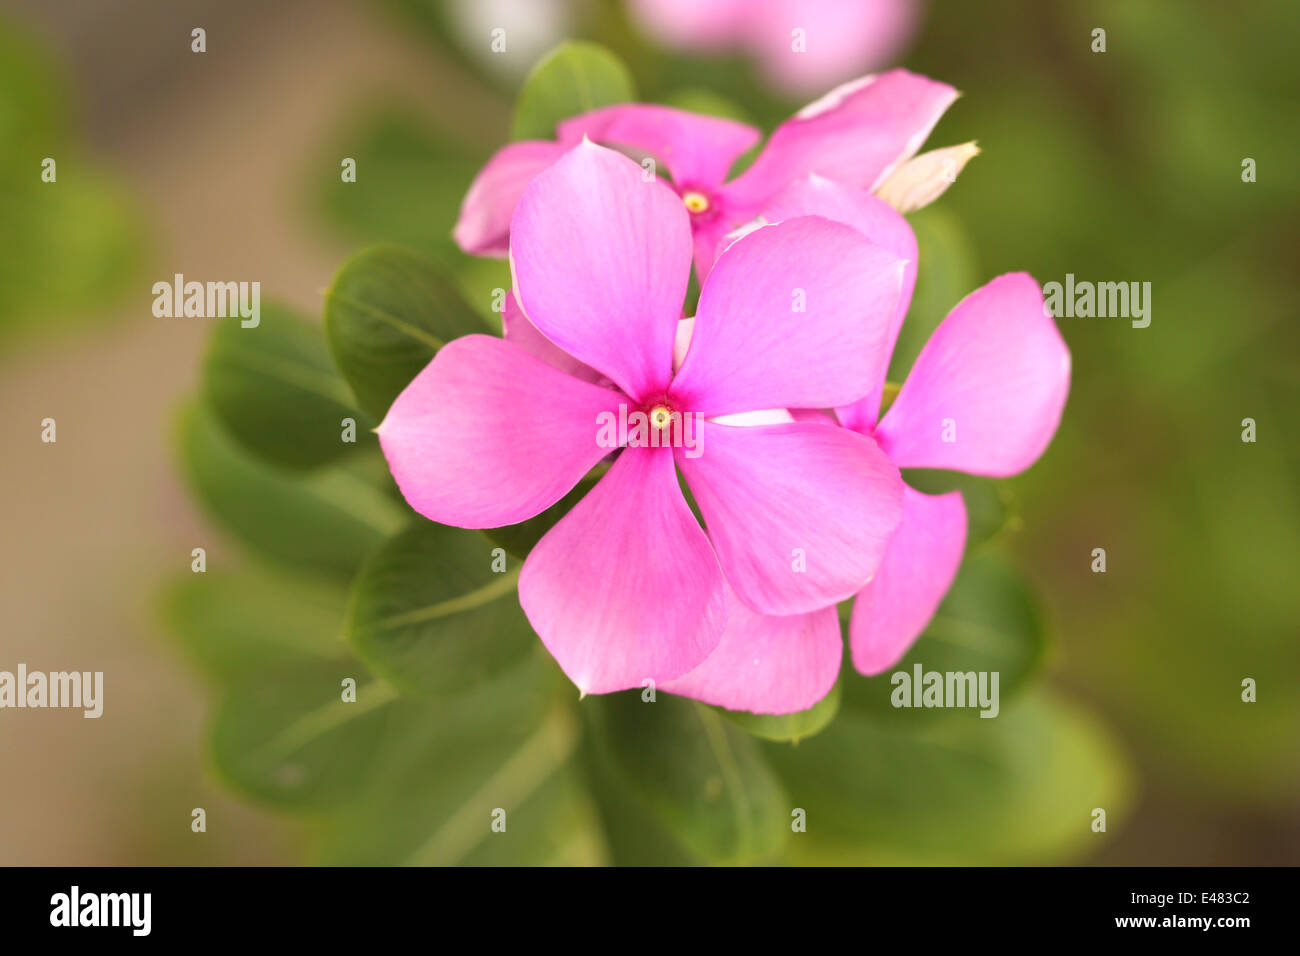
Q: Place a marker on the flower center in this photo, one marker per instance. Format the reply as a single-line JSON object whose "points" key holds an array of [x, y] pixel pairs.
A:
{"points": [[661, 416], [695, 202]]}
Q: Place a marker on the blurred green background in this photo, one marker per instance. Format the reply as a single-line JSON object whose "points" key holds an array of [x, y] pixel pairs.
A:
{"points": [[1116, 166]]}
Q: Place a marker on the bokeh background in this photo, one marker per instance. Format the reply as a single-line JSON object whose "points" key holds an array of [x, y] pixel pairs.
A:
{"points": [[1116, 166]]}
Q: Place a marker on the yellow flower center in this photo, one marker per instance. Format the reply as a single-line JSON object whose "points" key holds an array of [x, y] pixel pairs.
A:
{"points": [[660, 416], [695, 202]]}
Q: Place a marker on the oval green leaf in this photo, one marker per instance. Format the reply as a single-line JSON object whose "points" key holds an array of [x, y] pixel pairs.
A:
{"points": [[275, 389], [328, 520], [573, 78], [430, 614], [520, 538], [787, 727], [482, 777], [704, 781], [289, 738], [1017, 789], [235, 623], [387, 314]]}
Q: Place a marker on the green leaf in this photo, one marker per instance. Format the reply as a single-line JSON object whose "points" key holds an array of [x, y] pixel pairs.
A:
{"points": [[573, 78], [233, 624], [636, 834], [387, 314], [520, 538], [288, 738], [482, 282], [987, 622], [33, 95], [431, 615], [328, 520], [436, 787], [69, 248], [788, 727], [1019, 788], [946, 274], [411, 178], [275, 389], [398, 779], [701, 778]]}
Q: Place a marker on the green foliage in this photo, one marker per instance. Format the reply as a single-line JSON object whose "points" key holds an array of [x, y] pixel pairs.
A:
{"points": [[387, 314], [1019, 788], [233, 624], [520, 538], [288, 738], [945, 274], [430, 614], [699, 777], [411, 178], [443, 777], [275, 390], [1127, 166], [573, 78], [788, 727], [68, 247], [327, 521], [385, 778]]}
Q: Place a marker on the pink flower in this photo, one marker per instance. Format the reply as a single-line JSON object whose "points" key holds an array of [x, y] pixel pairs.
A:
{"points": [[628, 586], [858, 134], [984, 397], [836, 38]]}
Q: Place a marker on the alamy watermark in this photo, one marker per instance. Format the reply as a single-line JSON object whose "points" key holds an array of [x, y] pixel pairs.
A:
{"points": [[208, 300], [1126, 300], [130, 910], [923, 688], [660, 427], [74, 689]]}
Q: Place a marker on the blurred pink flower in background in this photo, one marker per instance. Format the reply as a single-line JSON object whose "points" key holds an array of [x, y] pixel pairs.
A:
{"points": [[839, 39]]}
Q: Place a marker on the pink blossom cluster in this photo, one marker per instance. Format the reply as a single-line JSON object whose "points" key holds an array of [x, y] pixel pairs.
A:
{"points": [[806, 267]]}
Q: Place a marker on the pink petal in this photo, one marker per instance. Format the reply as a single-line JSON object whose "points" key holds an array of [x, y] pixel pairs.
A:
{"points": [[483, 228], [767, 665], [898, 603], [857, 135], [692, 25], [842, 38], [626, 588], [487, 435], [696, 150], [987, 391], [516, 328], [753, 348], [825, 416], [601, 259], [779, 497], [880, 223]]}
